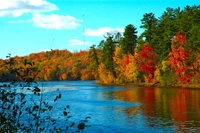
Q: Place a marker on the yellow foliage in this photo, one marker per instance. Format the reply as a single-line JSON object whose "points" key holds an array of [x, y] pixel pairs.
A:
{"points": [[110, 78], [86, 75], [64, 76], [165, 65], [196, 63], [117, 51], [157, 75], [105, 76], [116, 55], [49, 74], [131, 71], [126, 68], [146, 78]]}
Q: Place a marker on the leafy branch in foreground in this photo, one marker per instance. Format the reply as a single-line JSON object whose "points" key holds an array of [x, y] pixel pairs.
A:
{"points": [[25, 108]]}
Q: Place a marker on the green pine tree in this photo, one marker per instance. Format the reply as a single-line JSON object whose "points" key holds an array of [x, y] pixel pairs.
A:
{"points": [[129, 41]]}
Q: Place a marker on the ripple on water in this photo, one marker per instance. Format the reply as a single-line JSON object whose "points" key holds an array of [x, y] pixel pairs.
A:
{"points": [[188, 126]]}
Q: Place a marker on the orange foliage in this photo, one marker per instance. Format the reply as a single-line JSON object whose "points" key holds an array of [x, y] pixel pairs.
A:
{"points": [[56, 65], [105, 76], [179, 59], [127, 69]]}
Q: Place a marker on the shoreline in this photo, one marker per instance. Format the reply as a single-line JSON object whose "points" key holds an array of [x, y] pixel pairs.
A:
{"points": [[129, 85]]}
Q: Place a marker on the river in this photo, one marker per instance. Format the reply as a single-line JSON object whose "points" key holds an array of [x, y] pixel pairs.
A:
{"points": [[126, 110]]}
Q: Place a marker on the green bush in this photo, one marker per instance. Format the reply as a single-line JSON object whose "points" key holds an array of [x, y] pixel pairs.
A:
{"points": [[168, 78]]}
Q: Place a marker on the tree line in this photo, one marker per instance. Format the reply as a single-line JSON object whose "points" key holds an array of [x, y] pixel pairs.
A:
{"points": [[166, 53]]}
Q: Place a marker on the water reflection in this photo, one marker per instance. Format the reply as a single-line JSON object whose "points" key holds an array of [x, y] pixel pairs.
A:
{"points": [[174, 108]]}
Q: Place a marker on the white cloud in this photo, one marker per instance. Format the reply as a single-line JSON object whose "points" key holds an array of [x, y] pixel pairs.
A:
{"points": [[102, 31], [121, 30], [17, 8], [45, 50], [54, 21], [75, 42], [20, 21]]}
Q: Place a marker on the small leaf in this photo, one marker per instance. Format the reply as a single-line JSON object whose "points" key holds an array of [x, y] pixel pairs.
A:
{"points": [[59, 96], [50, 107], [65, 113], [81, 126], [20, 113], [47, 118], [88, 117], [67, 127], [14, 113], [72, 124], [18, 124], [36, 89], [55, 99], [35, 107]]}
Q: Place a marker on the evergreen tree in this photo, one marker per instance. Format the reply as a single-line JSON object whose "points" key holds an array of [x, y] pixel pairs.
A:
{"points": [[188, 17], [165, 30], [193, 43], [94, 58], [107, 54], [117, 38], [129, 41], [149, 23], [101, 45]]}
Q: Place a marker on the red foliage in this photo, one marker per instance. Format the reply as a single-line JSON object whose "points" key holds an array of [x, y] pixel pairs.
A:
{"points": [[179, 39], [186, 78], [147, 52], [179, 59], [147, 60], [178, 55]]}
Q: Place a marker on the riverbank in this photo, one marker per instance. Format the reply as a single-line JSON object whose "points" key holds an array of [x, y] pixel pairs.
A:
{"points": [[130, 85]]}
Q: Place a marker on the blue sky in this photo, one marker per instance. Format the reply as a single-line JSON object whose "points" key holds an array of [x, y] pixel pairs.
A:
{"points": [[31, 26]]}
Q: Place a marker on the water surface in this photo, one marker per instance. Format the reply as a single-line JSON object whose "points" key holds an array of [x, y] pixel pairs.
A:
{"points": [[137, 109]]}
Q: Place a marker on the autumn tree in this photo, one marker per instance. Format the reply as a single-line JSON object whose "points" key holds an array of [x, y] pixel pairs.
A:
{"points": [[179, 59], [147, 61], [126, 67]]}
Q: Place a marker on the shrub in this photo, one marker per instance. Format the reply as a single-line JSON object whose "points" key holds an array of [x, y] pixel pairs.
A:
{"points": [[23, 105]]}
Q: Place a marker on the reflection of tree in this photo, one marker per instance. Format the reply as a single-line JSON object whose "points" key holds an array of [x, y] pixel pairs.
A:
{"points": [[127, 95], [185, 108], [149, 100], [163, 107]]}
